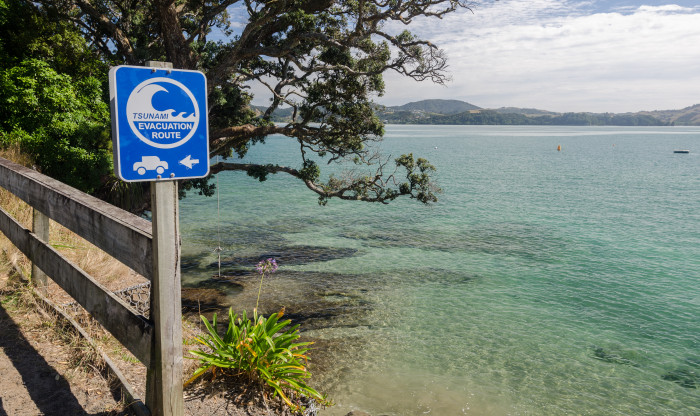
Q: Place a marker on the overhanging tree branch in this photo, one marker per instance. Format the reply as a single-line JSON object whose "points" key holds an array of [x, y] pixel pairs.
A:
{"points": [[321, 60], [353, 187]]}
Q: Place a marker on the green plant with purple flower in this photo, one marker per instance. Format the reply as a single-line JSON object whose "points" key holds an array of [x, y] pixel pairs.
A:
{"points": [[262, 349]]}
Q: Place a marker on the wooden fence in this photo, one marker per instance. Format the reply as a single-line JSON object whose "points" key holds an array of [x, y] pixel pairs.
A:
{"points": [[124, 236]]}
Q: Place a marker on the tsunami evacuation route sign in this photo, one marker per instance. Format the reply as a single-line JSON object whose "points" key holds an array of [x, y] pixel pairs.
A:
{"points": [[159, 123]]}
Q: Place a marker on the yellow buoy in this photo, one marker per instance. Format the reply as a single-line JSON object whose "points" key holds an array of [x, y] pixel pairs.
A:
{"points": [[559, 148]]}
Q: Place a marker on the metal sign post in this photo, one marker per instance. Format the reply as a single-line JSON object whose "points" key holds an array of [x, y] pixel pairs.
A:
{"points": [[160, 134]]}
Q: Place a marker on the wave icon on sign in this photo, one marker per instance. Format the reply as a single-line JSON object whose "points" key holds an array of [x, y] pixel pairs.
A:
{"points": [[162, 112], [143, 102]]}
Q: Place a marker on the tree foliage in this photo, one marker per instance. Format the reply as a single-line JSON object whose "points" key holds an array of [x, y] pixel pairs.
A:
{"points": [[51, 96], [323, 59]]}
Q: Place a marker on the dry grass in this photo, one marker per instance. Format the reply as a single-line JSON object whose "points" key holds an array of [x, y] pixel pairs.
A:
{"points": [[103, 268], [21, 212], [95, 262], [69, 354]]}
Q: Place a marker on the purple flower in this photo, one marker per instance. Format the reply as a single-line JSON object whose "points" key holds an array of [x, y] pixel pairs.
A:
{"points": [[267, 266]]}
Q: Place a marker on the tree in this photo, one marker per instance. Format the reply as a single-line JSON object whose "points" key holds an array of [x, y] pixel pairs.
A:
{"points": [[324, 59], [51, 102]]}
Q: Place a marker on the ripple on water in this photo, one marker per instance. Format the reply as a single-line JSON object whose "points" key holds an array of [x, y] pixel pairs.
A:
{"points": [[542, 283]]}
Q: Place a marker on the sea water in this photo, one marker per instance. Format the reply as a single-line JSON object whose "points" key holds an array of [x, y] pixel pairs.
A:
{"points": [[543, 282]]}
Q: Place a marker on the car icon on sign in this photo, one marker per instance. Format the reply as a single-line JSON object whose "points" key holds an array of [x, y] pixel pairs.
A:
{"points": [[150, 163]]}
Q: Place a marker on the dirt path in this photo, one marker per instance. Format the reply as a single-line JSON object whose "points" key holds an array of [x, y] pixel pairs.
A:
{"points": [[36, 377]]}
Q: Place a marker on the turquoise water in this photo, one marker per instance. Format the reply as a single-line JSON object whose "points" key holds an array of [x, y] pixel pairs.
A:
{"points": [[541, 283]]}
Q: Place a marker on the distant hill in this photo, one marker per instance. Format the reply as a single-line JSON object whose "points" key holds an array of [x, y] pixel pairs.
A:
{"points": [[281, 114], [689, 116], [436, 106], [418, 109], [463, 113], [444, 112], [525, 111], [490, 117]]}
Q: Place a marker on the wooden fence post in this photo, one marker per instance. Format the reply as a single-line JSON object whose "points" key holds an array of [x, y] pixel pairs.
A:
{"points": [[40, 227], [164, 395]]}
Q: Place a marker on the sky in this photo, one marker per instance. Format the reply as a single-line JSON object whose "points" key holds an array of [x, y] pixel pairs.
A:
{"points": [[564, 56]]}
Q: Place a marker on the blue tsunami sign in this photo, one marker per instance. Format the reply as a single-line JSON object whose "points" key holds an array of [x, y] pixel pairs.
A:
{"points": [[159, 123]]}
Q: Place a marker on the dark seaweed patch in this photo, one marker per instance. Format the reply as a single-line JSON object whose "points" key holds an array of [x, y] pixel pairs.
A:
{"points": [[318, 300], [188, 265], [224, 285], [290, 256], [233, 273], [209, 295], [192, 261], [601, 354], [684, 376]]}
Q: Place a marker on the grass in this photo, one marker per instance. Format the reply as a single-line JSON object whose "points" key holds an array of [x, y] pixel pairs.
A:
{"points": [[17, 297], [55, 339]]}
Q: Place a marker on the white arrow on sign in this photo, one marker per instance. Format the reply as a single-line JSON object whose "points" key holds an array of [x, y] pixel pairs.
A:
{"points": [[189, 162]]}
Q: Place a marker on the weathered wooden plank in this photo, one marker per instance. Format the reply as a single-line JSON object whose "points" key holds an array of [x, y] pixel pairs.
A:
{"points": [[40, 227], [123, 235], [164, 383], [133, 331]]}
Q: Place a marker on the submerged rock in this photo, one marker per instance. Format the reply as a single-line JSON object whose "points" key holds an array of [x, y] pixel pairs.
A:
{"points": [[209, 296]]}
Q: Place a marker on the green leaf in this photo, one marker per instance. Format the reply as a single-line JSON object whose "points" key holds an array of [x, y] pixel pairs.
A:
{"points": [[262, 348]]}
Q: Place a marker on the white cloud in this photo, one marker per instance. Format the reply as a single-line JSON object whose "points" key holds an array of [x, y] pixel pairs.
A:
{"points": [[557, 55], [665, 8]]}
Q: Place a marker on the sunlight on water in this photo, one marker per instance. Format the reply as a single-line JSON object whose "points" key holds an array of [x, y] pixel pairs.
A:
{"points": [[542, 283]]}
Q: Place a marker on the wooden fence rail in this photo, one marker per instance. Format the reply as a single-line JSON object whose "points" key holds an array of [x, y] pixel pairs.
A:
{"points": [[132, 330], [119, 233], [124, 236]]}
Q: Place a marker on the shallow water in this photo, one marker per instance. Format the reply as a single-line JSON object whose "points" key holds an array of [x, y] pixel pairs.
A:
{"points": [[541, 283]]}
